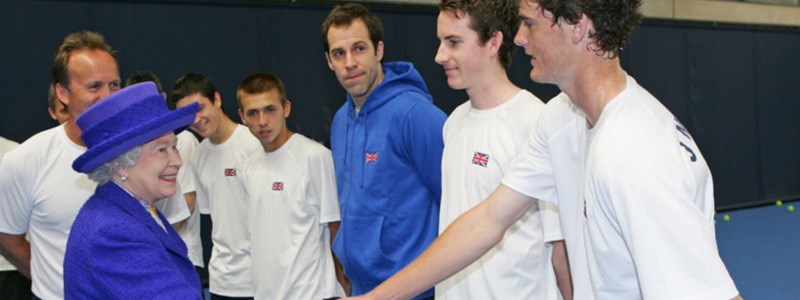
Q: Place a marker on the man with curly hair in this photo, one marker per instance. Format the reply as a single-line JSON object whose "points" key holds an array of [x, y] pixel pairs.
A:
{"points": [[643, 210]]}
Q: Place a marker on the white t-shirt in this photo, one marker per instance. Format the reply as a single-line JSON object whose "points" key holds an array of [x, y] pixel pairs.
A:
{"points": [[292, 194], [42, 195], [479, 146], [6, 145], [650, 205], [550, 168], [173, 207], [219, 183], [190, 232]]}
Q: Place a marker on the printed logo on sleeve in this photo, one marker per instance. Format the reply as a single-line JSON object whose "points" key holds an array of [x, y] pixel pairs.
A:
{"points": [[277, 186], [682, 129], [230, 172]]}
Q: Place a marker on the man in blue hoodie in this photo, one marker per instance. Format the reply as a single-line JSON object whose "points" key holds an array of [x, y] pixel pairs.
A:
{"points": [[387, 148]]}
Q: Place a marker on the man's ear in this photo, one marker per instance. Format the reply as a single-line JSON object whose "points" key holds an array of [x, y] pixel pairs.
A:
{"points": [[580, 30], [328, 59], [379, 51], [496, 41], [241, 116], [61, 94], [287, 108], [217, 100]]}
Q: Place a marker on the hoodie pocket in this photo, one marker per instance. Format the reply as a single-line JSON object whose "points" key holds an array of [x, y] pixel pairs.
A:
{"points": [[366, 263]]}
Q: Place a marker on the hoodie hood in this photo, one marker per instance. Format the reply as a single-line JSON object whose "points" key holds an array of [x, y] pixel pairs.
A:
{"points": [[399, 77]]}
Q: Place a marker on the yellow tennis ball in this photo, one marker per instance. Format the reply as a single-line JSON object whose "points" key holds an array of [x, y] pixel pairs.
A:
{"points": [[790, 207], [726, 218], [779, 203]]}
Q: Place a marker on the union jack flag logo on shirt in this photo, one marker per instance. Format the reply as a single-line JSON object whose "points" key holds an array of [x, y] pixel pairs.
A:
{"points": [[277, 186], [480, 159], [230, 172], [371, 157]]}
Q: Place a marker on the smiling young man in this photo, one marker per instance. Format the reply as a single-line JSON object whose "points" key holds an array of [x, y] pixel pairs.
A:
{"points": [[635, 167], [481, 138], [217, 167], [386, 142], [291, 188]]}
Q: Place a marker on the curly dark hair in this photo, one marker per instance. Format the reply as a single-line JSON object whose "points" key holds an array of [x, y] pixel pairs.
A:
{"points": [[614, 20], [489, 17]]}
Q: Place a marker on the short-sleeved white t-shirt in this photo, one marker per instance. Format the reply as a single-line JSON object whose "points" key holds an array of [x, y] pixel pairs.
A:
{"points": [[6, 145], [219, 182], [190, 232], [292, 194], [174, 207], [479, 146], [550, 168], [650, 206], [42, 195]]}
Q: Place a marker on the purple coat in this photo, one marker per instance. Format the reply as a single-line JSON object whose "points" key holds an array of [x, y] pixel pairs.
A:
{"points": [[117, 251]]}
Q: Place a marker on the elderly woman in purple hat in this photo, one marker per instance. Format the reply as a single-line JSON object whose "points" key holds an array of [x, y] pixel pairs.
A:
{"points": [[120, 246]]}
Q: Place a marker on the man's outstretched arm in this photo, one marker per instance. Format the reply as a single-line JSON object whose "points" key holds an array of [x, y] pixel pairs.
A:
{"points": [[464, 241]]}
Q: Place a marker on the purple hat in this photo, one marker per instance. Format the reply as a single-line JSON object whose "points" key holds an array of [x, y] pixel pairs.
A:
{"points": [[131, 117]]}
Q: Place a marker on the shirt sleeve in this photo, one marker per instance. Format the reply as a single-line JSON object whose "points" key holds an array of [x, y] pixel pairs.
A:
{"points": [[201, 194], [323, 182], [186, 146], [16, 203], [174, 207], [531, 171], [548, 212], [186, 177], [422, 136]]}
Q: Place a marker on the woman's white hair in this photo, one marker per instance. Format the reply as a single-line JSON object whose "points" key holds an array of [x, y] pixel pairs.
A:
{"points": [[105, 172]]}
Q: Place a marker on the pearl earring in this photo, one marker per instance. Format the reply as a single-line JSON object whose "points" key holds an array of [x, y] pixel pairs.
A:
{"points": [[124, 178]]}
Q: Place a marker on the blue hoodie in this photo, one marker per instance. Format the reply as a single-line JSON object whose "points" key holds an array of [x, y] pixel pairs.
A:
{"points": [[388, 172]]}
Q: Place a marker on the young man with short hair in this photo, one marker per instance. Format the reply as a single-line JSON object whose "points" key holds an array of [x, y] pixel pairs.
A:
{"points": [[291, 188], [481, 138], [217, 166]]}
